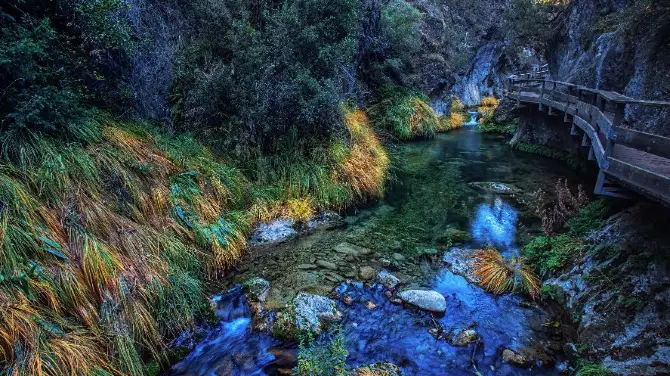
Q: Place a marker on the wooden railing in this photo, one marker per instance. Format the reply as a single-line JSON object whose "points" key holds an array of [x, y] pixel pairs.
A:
{"points": [[634, 159]]}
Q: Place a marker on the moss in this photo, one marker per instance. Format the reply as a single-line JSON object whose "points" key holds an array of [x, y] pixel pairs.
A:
{"points": [[575, 162], [492, 127]]}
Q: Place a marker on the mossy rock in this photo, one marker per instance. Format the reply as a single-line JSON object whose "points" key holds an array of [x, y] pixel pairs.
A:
{"points": [[454, 236]]}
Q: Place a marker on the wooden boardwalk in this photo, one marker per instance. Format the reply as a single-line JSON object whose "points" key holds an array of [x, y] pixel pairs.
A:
{"points": [[629, 160]]}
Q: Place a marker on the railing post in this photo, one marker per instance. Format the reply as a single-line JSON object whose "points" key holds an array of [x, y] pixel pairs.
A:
{"points": [[542, 94], [611, 134]]}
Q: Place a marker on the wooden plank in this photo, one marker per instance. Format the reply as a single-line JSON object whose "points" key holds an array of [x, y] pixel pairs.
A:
{"points": [[646, 142], [645, 181]]}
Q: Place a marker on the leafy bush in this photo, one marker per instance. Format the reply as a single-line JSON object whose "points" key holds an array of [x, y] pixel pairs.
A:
{"points": [[591, 217], [548, 255], [50, 71]]}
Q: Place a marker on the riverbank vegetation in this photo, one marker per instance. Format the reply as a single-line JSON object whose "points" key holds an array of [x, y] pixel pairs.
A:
{"points": [[113, 220]]}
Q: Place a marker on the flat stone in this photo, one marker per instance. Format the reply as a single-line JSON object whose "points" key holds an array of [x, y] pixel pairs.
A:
{"points": [[398, 257], [428, 300], [351, 249], [387, 279], [366, 273], [326, 264], [307, 267]]}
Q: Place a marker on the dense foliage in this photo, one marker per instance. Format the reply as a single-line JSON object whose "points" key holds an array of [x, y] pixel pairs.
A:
{"points": [[263, 77]]}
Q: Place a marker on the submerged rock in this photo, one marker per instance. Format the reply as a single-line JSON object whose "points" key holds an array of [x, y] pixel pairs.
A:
{"points": [[495, 187], [460, 261], [398, 257], [464, 338], [454, 236], [378, 369], [311, 310], [351, 249], [387, 279], [366, 273], [515, 359], [428, 300], [326, 264]]}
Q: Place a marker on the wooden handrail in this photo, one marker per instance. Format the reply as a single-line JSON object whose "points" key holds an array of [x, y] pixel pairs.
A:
{"points": [[609, 96], [642, 161]]}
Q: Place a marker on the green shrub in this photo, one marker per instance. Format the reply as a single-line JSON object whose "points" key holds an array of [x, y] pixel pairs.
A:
{"points": [[592, 369], [404, 114], [591, 217], [325, 357], [551, 254]]}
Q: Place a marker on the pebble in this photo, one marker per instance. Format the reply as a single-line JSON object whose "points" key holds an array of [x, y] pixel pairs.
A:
{"points": [[326, 264]]}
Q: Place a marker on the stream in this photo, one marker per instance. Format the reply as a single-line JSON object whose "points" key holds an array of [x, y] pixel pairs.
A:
{"points": [[443, 196]]}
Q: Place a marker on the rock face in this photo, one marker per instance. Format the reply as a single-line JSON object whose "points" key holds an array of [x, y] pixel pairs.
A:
{"points": [[536, 128], [622, 292], [428, 300], [462, 51], [593, 48], [311, 310]]}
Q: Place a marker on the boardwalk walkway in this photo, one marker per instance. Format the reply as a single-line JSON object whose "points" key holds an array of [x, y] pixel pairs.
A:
{"points": [[628, 159]]}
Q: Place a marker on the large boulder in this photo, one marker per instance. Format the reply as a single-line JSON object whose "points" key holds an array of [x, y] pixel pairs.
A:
{"points": [[431, 301], [312, 310]]}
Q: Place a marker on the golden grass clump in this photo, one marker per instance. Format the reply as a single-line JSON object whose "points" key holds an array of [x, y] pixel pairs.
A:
{"points": [[365, 167], [490, 102], [499, 275], [423, 122], [487, 109]]}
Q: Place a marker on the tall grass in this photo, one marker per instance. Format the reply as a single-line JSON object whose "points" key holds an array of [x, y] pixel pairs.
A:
{"points": [[105, 246], [404, 114]]}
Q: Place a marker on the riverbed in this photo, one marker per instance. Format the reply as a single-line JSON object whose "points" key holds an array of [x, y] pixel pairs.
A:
{"points": [[462, 189]]}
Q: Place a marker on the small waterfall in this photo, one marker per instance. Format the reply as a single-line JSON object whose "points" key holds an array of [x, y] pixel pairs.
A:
{"points": [[604, 43], [473, 118]]}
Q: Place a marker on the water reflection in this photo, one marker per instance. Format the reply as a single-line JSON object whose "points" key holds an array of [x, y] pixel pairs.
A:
{"points": [[495, 224]]}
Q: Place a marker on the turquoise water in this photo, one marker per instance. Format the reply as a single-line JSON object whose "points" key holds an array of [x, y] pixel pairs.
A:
{"points": [[434, 196]]}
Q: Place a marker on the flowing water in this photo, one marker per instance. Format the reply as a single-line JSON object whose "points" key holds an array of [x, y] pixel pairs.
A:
{"points": [[473, 118], [442, 194]]}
